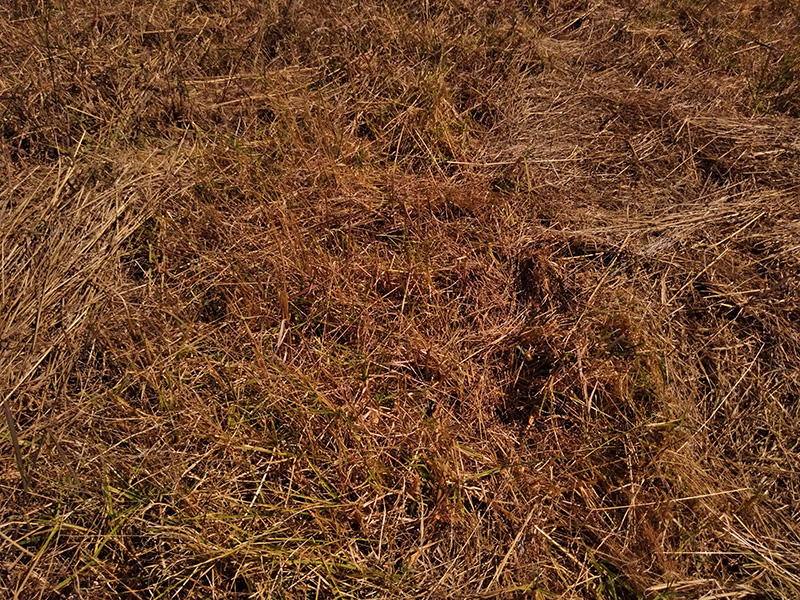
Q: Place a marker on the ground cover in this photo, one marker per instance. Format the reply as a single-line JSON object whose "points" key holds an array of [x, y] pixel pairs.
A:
{"points": [[404, 299]]}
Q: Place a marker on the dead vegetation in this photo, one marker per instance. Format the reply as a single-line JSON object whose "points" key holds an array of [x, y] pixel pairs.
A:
{"points": [[400, 299]]}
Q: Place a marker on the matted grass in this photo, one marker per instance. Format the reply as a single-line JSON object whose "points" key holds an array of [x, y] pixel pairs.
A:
{"points": [[400, 299]]}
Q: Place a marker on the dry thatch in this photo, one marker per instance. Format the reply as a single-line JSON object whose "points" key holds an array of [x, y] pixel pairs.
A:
{"points": [[405, 299]]}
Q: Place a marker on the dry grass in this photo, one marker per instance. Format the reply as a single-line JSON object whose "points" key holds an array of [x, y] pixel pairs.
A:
{"points": [[407, 299]]}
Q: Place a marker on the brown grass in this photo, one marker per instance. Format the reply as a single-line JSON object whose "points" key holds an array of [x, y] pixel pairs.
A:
{"points": [[406, 299]]}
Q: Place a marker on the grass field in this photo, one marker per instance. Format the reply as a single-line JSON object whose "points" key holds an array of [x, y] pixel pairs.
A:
{"points": [[447, 299]]}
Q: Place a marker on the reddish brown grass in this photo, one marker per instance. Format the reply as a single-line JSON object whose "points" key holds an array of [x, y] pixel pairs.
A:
{"points": [[406, 299]]}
